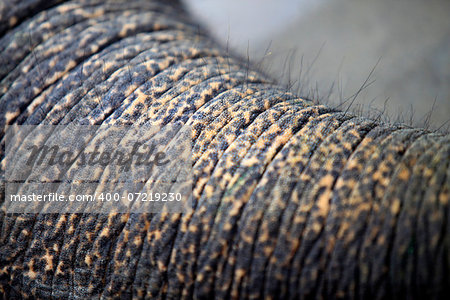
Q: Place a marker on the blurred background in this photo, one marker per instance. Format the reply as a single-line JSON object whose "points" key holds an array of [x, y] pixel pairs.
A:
{"points": [[374, 56]]}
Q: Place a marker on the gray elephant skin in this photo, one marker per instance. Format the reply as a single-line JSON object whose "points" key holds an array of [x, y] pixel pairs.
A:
{"points": [[291, 199]]}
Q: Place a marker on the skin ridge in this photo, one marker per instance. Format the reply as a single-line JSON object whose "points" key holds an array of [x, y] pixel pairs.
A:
{"points": [[291, 199]]}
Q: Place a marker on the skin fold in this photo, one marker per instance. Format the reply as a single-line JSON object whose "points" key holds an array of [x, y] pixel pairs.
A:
{"points": [[290, 199]]}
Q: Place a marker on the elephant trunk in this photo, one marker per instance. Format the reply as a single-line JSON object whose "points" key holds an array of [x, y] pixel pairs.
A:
{"points": [[290, 199]]}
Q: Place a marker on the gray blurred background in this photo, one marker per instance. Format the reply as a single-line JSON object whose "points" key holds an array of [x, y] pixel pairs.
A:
{"points": [[326, 50]]}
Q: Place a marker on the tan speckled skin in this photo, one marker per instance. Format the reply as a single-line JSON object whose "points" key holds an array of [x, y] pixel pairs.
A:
{"points": [[291, 199]]}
